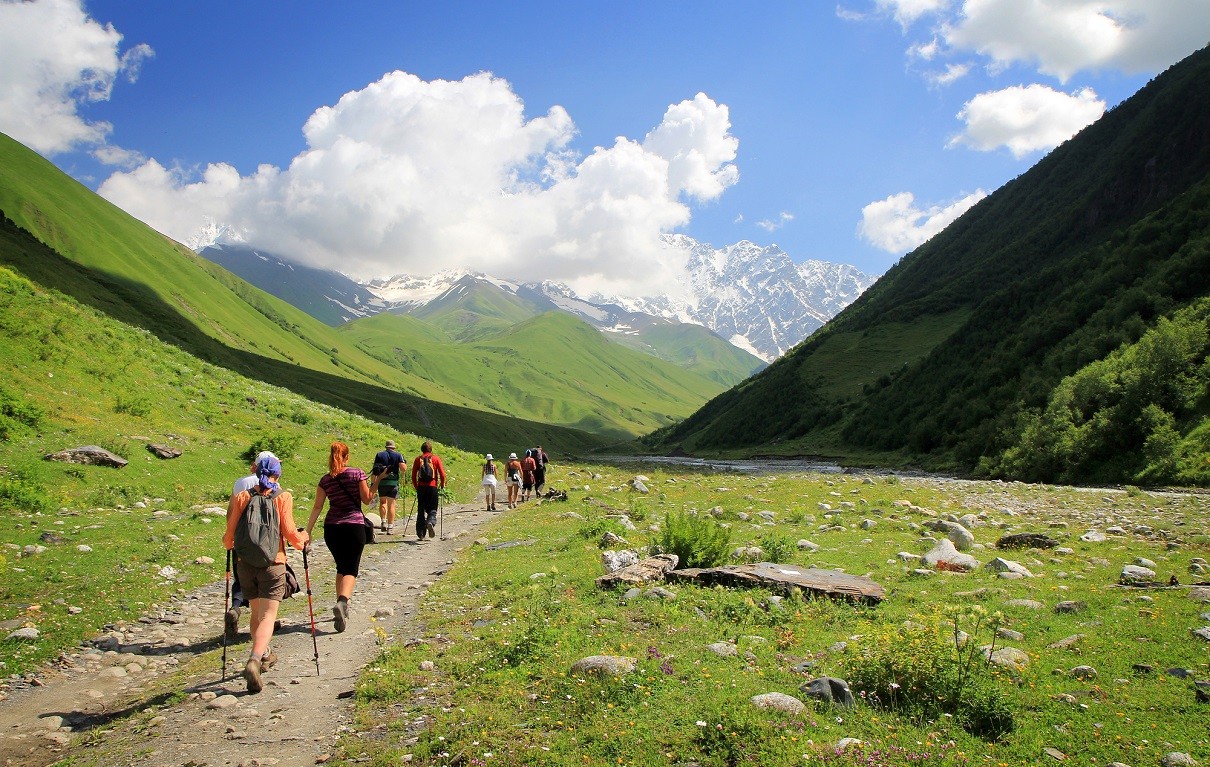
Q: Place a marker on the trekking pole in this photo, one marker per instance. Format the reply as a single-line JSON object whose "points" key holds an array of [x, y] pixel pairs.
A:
{"points": [[226, 607], [410, 510], [310, 605]]}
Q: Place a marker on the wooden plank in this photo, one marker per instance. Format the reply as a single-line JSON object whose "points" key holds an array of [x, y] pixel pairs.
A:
{"points": [[787, 579]]}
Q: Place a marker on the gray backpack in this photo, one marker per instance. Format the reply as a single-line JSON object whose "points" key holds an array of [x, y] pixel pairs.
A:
{"points": [[258, 532]]}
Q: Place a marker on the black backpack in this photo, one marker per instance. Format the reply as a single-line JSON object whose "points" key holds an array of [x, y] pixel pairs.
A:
{"points": [[258, 532], [426, 468]]}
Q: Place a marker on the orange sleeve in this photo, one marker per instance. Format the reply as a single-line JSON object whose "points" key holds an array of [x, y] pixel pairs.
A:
{"points": [[235, 507], [289, 530]]}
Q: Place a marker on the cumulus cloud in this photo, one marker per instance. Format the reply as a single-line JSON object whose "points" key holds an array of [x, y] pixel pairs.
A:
{"points": [[1026, 118], [54, 60], [772, 225], [1062, 37], [408, 176], [897, 225]]}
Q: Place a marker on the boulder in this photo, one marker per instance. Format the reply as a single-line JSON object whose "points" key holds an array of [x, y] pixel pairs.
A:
{"points": [[90, 455], [829, 689]]}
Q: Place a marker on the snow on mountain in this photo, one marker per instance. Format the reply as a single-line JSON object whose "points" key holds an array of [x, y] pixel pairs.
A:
{"points": [[756, 297]]}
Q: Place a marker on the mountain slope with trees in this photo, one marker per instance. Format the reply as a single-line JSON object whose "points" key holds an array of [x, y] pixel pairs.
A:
{"points": [[948, 359]]}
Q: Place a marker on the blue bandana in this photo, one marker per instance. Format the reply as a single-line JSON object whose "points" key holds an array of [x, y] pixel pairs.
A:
{"points": [[268, 466]]}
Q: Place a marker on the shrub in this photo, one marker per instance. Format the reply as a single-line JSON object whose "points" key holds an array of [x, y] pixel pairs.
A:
{"points": [[778, 548], [924, 671], [16, 415], [696, 541], [282, 445], [136, 405]]}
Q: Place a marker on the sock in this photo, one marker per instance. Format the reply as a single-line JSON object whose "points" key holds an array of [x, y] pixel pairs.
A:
{"points": [[254, 655], [341, 599]]}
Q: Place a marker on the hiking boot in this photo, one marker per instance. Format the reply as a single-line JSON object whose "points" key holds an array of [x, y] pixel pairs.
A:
{"points": [[340, 615], [432, 529], [383, 526], [231, 624], [268, 661], [390, 529], [252, 675]]}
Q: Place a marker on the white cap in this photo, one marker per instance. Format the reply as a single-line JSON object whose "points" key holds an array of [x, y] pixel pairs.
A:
{"points": [[489, 457], [512, 455]]}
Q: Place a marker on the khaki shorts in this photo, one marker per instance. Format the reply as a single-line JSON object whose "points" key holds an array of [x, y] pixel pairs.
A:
{"points": [[262, 582]]}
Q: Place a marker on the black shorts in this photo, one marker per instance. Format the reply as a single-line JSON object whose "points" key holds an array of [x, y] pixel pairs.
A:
{"points": [[346, 542], [388, 491]]}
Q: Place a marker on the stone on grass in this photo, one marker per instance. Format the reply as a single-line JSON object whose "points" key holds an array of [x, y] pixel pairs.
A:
{"points": [[1071, 606], [604, 665], [1177, 759], [779, 701], [945, 556], [1132, 574], [962, 538], [1009, 658], [1001, 565], [829, 689]]}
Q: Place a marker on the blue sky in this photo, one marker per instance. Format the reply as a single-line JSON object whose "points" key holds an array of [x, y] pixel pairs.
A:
{"points": [[557, 139]]}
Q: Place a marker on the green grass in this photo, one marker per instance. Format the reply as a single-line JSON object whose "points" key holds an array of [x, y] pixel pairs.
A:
{"points": [[551, 368], [76, 377], [503, 638]]}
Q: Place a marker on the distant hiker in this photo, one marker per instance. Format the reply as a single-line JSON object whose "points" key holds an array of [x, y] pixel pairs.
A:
{"points": [[490, 479], [528, 465], [259, 524], [428, 478], [242, 485], [385, 476], [540, 461], [345, 489], [513, 479]]}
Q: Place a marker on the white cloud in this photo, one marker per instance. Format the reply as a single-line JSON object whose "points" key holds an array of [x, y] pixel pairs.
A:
{"points": [[53, 60], [906, 12], [952, 73], [408, 176], [1062, 37], [1026, 118], [897, 225], [772, 225], [118, 157]]}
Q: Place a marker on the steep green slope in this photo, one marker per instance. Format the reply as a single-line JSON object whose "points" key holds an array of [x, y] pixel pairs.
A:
{"points": [[552, 368], [1081, 254], [473, 309], [118, 265], [694, 348]]}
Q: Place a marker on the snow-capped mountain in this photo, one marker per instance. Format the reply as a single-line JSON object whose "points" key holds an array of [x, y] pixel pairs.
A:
{"points": [[756, 297]]}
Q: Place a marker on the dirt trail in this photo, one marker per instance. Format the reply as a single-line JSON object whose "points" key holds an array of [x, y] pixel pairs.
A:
{"points": [[160, 701]]}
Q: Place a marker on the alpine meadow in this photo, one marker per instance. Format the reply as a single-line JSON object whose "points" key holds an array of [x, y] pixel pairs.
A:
{"points": [[963, 523]]}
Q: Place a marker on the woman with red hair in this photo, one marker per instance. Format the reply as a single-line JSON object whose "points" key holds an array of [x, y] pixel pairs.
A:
{"points": [[345, 489]]}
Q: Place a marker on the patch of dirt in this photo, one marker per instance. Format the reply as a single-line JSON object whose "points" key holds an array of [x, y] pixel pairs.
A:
{"points": [[157, 697]]}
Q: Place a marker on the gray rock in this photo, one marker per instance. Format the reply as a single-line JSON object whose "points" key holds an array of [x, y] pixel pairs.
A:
{"points": [[1084, 673], [26, 634], [725, 649], [604, 665], [1093, 536], [1071, 606], [1177, 759], [962, 538], [1001, 565], [946, 552], [1136, 574], [617, 560], [1010, 635], [90, 455], [779, 701], [1202, 633], [829, 689], [1009, 658]]}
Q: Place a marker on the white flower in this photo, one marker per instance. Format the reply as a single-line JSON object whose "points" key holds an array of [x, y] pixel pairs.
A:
{"points": [[700, 723]]}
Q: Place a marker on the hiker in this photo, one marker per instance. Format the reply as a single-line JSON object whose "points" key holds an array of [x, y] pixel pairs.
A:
{"points": [[540, 461], [490, 479], [242, 485], [385, 480], [344, 488], [265, 585], [528, 465], [428, 478], [513, 479]]}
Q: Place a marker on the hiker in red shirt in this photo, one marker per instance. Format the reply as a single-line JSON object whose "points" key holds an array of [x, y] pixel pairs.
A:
{"points": [[428, 477]]}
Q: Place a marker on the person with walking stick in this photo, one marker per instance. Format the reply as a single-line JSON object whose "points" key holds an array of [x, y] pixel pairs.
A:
{"points": [[344, 489], [260, 523], [428, 478]]}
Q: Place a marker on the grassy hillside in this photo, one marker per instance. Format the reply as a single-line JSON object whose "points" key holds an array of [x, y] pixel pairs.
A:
{"points": [[74, 377], [946, 357], [551, 368], [473, 309], [694, 348]]}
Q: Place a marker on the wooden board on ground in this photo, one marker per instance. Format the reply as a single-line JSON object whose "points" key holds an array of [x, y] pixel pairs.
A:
{"points": [[786, 579]]}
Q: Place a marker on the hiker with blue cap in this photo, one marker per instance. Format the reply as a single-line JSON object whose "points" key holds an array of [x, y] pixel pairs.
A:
{"points": [[260, 522]]}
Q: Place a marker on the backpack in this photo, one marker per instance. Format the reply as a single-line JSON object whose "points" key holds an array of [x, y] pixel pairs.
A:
{"points": [[258, 532], [426, 468]]}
